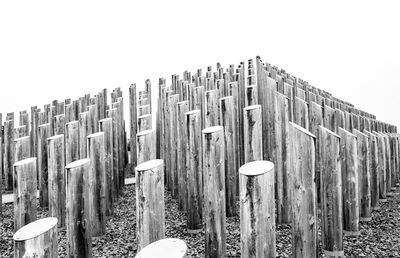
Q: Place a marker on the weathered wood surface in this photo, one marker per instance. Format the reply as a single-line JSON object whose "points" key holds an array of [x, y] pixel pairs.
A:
{"points": [[144, 122], [59, 124], [71, 142], [252, 124], [42, 161], [22, 148], [373, 167], [146, 146], [113, 113], [8, 154], [105, 126], [381, 166], [211, 113], [300, 113], [133, 122], [181, 108], [173, 173]]}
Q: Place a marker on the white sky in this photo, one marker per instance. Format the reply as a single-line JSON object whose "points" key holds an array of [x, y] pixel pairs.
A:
{"points": [[60, 49]]}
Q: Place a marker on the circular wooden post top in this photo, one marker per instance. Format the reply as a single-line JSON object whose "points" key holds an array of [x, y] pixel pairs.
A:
{"points": [[304, 130], [145, 132], [182, 102], [227, 97], [191, 112], [256, 168], [95, 134], [212, 129], [44, 125], [252, 107], [24, 161], [105, 119], [77, 163], [55, 137], [166, 248], [145, 115], [35, 229], [147, 165], [72, 122], [21, 138]]}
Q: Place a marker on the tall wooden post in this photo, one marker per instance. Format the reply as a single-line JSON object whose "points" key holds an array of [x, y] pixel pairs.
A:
{"points": [[252, 123], [34, 130], [211, 108], [8, 154], [144, 123], [331, 193], [150, 202], [93, 117], [22, 148], [113, 114], [59, 124], [85, 128], [257, 209], [56, 163], [301, 113], [214, 191], [37, 239], [44, 133], [251, 95], [173, 99], [71, 142], [25, 187], [146, 145], [350, 173], [388, 165], [381, 166], [79, 237], [105, 125], [373, 167], [175, 248], [181, 108], [133, 123], [97, 183]]}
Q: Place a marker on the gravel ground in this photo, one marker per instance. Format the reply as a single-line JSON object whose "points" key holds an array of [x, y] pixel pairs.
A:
{"points": [[379, 237]]}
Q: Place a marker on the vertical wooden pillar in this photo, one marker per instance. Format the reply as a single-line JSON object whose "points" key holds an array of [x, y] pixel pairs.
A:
{"points": [[71, 142], [113, 114], [181, 108], [257, 209], [214, 191], [85, 128], [34, 130], [388, 165], [329, 121], [8, 154], [252, 123], [22, 148], [59, 124], [302, 187], [79, 237], [211, 108], [37, 239], [146, 145], [93, 117], [301, 113], [173, 99], [24, 176], [105, 125], [133, 123], [251, 95], [381, 166], [350, 173], [373, 163], [144, 123], [331, 193], [56, 163], [43, 134], [150, 202]]}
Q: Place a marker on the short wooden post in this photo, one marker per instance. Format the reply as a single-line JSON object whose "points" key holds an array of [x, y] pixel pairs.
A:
{"points": [[25, 188], [24, 120], [175, 248], [181, 108], [173, 99], [252, 133], [79, 237], [56, 163], [71, 142], [228, 121], [257, 209], [214, 191], [105, 125], [146, 145], [331, 193], [150, 202], [43, 134], [144, 123], [393, 162], [350, 173], [211, 108], [8, 154], [381, 166], [22, 148], [85, 128], [97, 183], [37, 239], [373, 163]]}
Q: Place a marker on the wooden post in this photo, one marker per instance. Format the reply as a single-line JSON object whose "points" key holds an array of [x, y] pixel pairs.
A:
{"points": [[214, 191], [44, 133], [194, 172], [85, 128], [1, 174], [146, 145], [252, 123], [56, 162], [328, 118], [150, 202], [331, 193], [144, 123], [79, 237], [24, 176], [20, 131], [388, 165], [59, 124], [211, 108], [301, 113], [316, 119], [22, 148], [350, 173], [105, 125], [173, 99], [228, 121], [8, 154], [181, 108], [24, 120], [37, 239], [144, 110], [34, 130], [175, 248], [373, 163], [393, 160], [196, 101], [251, 95], [302, 187], [71, 142], [257, 209], [113, 113], [93, 117], [97, 183], [133, 123], [121, 140], [381, 166]]}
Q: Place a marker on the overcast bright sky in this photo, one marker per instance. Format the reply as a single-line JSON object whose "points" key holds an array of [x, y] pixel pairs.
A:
{"points": [[60, 49]]}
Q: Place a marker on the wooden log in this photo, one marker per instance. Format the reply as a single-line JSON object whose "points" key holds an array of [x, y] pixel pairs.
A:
{"points": [[339, 118], [85, 128], [24, 120], [331, 193], [381, 166], [37, 239], [71, 142], [8, 154], [302, 187], [329, 121], [121, 139], [251, 95], [79, 237], [233, 91], [43, 134], [51, 114], [214, 191], [211, 108], [181, 108], [150, 202], [56, 164], [388, 165], [227, 116], [144, 110], [173, 175], [252, 123], [393, 160], [133, 123], [22, 148], [20, 131], [59, 124], [24, 176], [257, 209], [144, 123], [100, 105], [350, 188], [113, 114], [145, 142], [34, 130], [93, 117], [105, 125], [42, 118], [316, 119], [373, 163], [70, 113], [97, 183], [301, 113], [175, 248]]}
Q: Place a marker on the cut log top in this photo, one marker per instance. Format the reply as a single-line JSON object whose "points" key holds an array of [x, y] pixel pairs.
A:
{"points": [[90, 106], [112, 109], [192, 112], [77, 163], [24, 161], [256, 168], [302, 129], [35, 229], [182, 102], [359, 132], [72, 122], [105, 119], [22, 138], [347, 132], [19, 126], [84, 113], [227, 97], [143, 116], [212, 129], [44, 125], [329, 131], [93, 135], [166, 248], [282, 95], [60, 115], [147, 165], [252, 107], [301, 100], [55, 137], [145, 132]]}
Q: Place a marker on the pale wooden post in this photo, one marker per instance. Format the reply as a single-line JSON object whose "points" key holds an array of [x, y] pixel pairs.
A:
{"points": [[1, 174], [228, 121], [388, 165], [44, 133], [70, 113], [252, 123], [373, 166], [331, 193], [85, 128], [133, 123], [8, 154], [175, 248], [71, 142], [181, 108], [144, 123], [196, 101], [257, 209], [34, 130], [211, 108], [339, 118], [173, 99], [214, 191], [113, 114], [251, 95], [93, 117], [316, 119], [150, 202], [22, 148], [328, 119], [301, 113], [105, 125], [59, 124], [121, 140], [37, 239], [56, 163], [167, 142], [24, 120], [350, 173], [20, 131], [146, 145], [25, 187], [381, 166], [79, 237], [393, 163], [144, 110], [97, 183]]}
